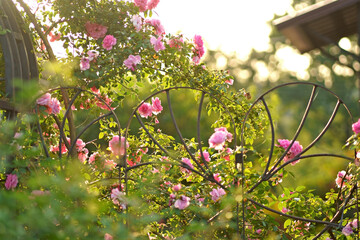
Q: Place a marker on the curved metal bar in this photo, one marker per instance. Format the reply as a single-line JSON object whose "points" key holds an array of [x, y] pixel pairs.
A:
{"points": [[308, 156], [179, 133], [134, 113], [324, 129], [307, 110], [91, 123], [272, 138], [271, 174], [339, 213], [291, 216], [198, 131]]}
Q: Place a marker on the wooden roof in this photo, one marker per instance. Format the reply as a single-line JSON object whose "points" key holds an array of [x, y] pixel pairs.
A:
{"points": [[320, 24]]}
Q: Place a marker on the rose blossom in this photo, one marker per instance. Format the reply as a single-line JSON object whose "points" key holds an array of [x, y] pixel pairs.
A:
{"points": [[157, 43], [156, 106], [229, 81], [83, 155], [187, 162], [152, 4], [44, 100], [182, 203], [348, 229], [217, 193], [108, 237], [217, 177], [284, 210], [145, 110], [159, 29], [177, 187], [95, 30], [356, 127], [137, 22], [176, 42], [11, 181], [92, 157], [132, 61], [217, 139], [205, 154], [295, 149], [84, 63], [118, 197], [93, 54], [115, 147], [109, 164], [54, 106], [108, 42], [199, 49], [340, 177], [142, 4]]}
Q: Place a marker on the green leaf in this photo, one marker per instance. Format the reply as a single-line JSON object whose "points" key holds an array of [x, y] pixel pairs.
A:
{"points": [[287, 223], [101, 135]]}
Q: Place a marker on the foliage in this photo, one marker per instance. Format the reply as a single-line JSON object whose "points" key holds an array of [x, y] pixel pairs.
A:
{"points": [[140, 180]]}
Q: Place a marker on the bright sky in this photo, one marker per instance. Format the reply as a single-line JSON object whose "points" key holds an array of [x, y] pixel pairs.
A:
{"points": [[231, 25]]}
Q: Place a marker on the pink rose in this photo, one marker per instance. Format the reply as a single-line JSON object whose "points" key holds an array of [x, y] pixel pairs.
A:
{"points": [[83, 155], [217, 139], [95, 30], [108, 237], [217, 177], [92, 157], [216, 194], [159, 29], [93, 54], [177, 187], [198, 198], [137, 22], [339, 179], [80, 145], [229, 81], [145, 110], [356, 127], [284, 210], [44, 100], [295, 149], [157, 43], [54, 106], [115, 148], [156, 106], [118, 197], [142, 4], [108, 42], [176, 42], [205, 154], [84, 63], [198, 41], [347, 230], [11, 181], [109, 164], [199, 49], [182, 203], [132, 61], [187, 162], [152, 4]]}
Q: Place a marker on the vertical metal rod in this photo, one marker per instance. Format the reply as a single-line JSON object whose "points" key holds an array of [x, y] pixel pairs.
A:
{"points": [[198, 130], [358, 53], [179, 133]]}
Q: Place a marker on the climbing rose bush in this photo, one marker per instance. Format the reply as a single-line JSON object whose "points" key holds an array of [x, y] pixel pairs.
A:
{"points": [[85, 175]]}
